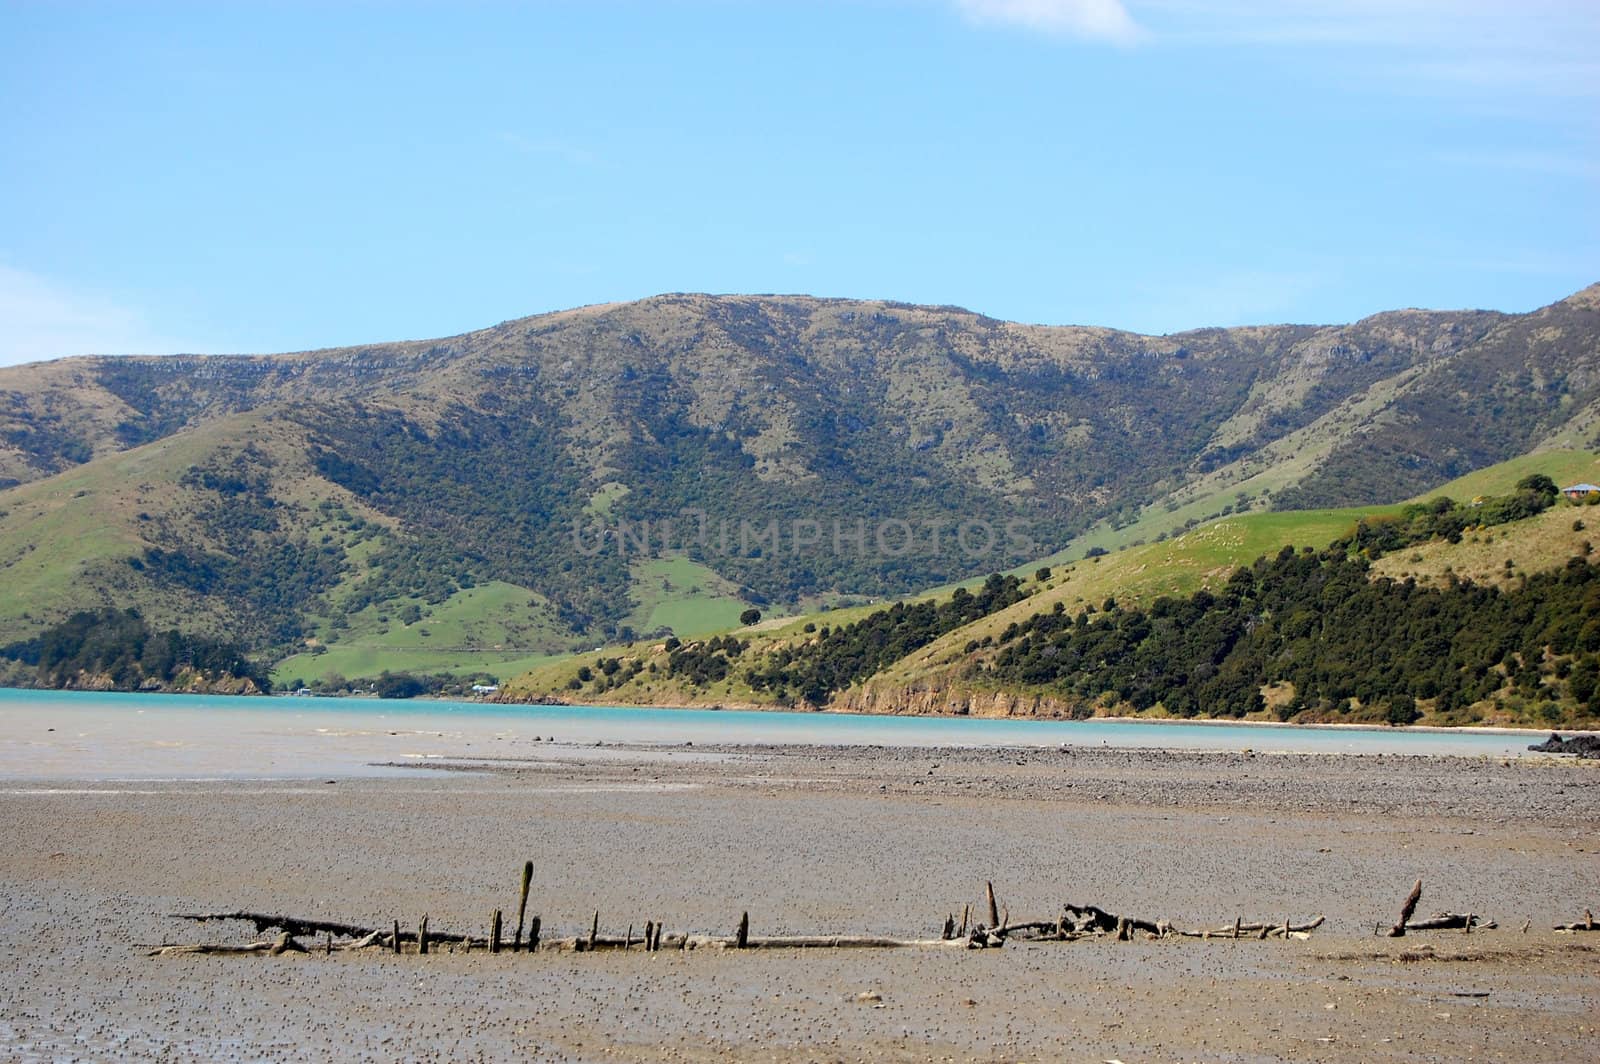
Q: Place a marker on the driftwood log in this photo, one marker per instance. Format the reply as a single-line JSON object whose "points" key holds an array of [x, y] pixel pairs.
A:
{"points": [[362, 936], [1467, 922], [1586, 924], [1086, 921], [1452, 922], [294, 925], [284, 943]]}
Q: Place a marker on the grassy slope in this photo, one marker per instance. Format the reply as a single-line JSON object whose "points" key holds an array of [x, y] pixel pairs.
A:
{"points": [[504, 630], [1175, 567], [76, 530], [1202, 557], [1536, 545], [1242, 485], [684, 596], [1209, 497], [495, 628], [1206, 555]]}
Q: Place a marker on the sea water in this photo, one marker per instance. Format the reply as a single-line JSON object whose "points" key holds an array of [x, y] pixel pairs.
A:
{"points": [[612, 724]]}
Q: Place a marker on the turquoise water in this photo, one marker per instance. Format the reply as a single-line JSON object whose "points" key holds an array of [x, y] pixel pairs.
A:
{"points": [[585, 724]]}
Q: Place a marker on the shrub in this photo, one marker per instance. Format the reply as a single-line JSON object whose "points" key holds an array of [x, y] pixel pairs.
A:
{"points": [[398, 685]]}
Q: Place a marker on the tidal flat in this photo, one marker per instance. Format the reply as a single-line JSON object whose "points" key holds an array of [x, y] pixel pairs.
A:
{"points": [[807, 839]]}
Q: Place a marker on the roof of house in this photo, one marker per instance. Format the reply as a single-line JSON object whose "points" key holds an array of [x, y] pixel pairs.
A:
{"points": [[1583, 488]]}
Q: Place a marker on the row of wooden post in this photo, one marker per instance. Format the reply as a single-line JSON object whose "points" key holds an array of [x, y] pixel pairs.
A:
{"points": [[999, 923]]}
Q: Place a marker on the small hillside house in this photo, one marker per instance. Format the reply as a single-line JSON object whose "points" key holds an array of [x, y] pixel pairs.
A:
{"points": [[1580, 492]]}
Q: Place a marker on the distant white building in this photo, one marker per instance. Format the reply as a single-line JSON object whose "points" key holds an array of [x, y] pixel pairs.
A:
{"points": [[1580, 492], [485, 688]]}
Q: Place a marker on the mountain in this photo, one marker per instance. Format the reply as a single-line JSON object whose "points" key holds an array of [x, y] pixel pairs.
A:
{"points": [[616, 470]]}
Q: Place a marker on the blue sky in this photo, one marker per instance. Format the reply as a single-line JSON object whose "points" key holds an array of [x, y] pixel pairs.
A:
{"points": [[268, 177]]}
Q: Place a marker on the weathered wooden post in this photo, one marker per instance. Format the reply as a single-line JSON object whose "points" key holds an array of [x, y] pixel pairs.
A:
{"points": [[533, 935], [743, 938], [649, 934], [994, 910], [396, 942], [966, 911], [1406, 911], [422, 935], [594, 930], [949, 931], [494, 932], [522, 903]]}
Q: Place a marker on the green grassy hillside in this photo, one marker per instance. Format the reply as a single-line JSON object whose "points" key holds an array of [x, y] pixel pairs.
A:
{"points": [[479, 458], [933, 677]]}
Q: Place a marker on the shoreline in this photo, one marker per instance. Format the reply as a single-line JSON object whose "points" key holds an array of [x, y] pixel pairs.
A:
{"points": [[100, 737], [1220, 722]]}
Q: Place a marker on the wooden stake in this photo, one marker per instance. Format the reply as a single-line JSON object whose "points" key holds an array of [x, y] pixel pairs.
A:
{"points": [[1407, 910], [422, 935], [994, 910], [397, 936], [627, 939], [1237, 921], [533, 935], [949, 931], [594, 930], [494, 932], [966, 910], [522, 904], [649, 935], [743, 937]]}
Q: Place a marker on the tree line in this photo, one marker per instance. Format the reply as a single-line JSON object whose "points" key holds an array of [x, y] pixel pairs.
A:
{"points": [[1338, 643], [837, 657], [120, 646]]}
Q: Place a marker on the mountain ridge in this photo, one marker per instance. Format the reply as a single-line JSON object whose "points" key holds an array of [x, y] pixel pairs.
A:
{"points": [[354, 482]]}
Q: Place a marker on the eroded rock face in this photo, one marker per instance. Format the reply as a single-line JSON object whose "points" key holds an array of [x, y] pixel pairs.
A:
{"points": [[953, 702], [186, 683]]}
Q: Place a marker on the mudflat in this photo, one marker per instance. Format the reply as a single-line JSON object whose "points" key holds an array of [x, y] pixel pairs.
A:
{"points": [[806, 839]]}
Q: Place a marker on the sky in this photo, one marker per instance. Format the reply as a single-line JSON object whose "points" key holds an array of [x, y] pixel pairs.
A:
{"points": [[256, 177]]}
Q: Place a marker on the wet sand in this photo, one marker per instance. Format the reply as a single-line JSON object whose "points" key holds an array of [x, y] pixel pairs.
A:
{"points": [[843, 839]]}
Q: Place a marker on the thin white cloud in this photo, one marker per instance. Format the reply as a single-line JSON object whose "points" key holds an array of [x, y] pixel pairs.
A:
{"points": [[40, 319], [1102, 20]]}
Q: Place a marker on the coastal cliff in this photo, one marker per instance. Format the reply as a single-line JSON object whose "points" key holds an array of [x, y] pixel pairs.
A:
{"points": [[916, 700]]}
